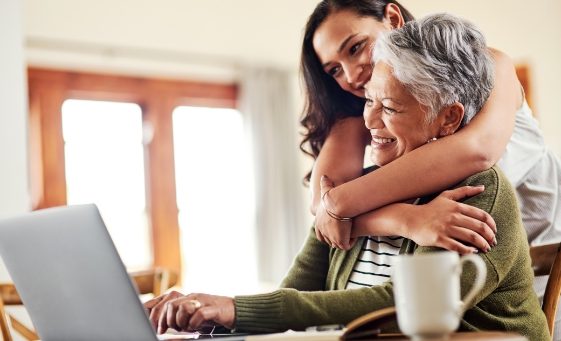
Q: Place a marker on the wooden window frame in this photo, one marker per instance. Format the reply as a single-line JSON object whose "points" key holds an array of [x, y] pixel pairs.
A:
{"points": [[48, 89]]}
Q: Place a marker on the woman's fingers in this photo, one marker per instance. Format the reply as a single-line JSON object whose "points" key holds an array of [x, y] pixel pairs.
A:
{"points": [[162, 320], [463, 192], [179, 312], [152, 303], [194, 311], [469, 237], [203, 315], [454, 245], [478, 214], [319, 236], [159, 306], [479, 227]]}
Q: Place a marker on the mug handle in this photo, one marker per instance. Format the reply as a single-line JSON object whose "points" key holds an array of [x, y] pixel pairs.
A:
{"points": [[479, 282]]}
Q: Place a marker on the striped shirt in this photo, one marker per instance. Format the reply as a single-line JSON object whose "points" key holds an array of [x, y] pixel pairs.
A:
{"points": [[373, 264]]}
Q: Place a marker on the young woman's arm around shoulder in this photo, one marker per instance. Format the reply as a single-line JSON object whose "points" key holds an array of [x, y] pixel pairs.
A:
{"points": [[444, 162], [430, 168]]}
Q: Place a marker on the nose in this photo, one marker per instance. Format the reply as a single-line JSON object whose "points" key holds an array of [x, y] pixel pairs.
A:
{"points": [[372, 117], [352, 75]]}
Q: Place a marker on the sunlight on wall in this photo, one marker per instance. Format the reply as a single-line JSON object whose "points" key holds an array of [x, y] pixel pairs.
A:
{"points": [[215, 198], [105, 165]]}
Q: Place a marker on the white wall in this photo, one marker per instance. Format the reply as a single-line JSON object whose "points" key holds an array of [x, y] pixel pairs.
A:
{"points": [[13, 112], [14, 196]]}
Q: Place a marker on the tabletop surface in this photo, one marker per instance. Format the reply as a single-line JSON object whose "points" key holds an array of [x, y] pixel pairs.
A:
{"points": [[330, 336], [477, 336]]}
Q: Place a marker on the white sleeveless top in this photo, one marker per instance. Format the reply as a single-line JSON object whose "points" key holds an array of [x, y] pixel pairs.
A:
{"points": [[535, 172]]}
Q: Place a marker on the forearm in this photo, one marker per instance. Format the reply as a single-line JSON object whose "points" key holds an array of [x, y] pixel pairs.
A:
{"points": [[385, 221], [341, 157], [289, 309], [443, 163]]}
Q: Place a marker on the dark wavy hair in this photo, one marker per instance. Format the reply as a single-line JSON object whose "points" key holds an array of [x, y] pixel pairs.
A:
{"points": [[325, 101]]}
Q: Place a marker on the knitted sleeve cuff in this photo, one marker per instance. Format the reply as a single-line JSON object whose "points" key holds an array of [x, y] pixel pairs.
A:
{"points": [[260, 313]]}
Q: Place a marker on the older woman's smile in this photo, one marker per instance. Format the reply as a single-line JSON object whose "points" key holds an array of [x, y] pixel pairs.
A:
{"points": [[380, 142], [396, 120]]}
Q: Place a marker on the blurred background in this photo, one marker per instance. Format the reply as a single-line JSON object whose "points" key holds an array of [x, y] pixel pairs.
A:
{"points": [[179, 119]]}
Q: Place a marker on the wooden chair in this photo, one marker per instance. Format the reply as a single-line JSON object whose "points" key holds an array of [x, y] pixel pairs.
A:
{"points": [[10, 297], [546, 260], [155, 281]]}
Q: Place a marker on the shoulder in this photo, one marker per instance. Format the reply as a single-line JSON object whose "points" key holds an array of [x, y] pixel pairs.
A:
{"points": [[497, 189], [500, 58]]}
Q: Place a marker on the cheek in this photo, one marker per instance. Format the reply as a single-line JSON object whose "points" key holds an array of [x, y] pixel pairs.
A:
{"points": [[366, 56], [343, 84], [414, 139], [407, 136]]}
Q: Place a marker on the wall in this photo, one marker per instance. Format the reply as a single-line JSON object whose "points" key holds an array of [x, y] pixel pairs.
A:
{"points": [[530, 32], [14, 197]]}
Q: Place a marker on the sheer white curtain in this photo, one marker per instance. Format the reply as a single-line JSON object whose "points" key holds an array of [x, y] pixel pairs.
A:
{"points": [[269, 114]]}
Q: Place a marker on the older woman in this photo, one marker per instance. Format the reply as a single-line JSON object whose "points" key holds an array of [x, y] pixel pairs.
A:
{"points": [[429, 79]]}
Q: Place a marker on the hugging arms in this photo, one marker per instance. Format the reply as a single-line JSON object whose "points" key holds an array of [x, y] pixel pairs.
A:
{"points": [[336, 64], [317, 288]]}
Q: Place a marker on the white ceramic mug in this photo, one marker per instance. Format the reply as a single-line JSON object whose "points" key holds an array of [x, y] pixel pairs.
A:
{"points": [[427, 292]]}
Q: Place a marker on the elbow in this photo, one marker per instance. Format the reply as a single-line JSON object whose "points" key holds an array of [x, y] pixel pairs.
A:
{"points": [[480, 157]]}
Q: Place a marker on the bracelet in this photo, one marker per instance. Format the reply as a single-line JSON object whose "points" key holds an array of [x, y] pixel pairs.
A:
{"points": [[331, 214]]}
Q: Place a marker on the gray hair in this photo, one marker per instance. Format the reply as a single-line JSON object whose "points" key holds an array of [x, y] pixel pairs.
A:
{"points": [[440, 59]]}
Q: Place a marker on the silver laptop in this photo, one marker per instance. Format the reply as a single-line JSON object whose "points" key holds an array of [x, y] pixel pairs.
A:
{"points": [[70, 276]]}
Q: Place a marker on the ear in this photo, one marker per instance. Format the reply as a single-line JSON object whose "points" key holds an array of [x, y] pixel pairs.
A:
{"points": [[392, 15], [450, 119]]}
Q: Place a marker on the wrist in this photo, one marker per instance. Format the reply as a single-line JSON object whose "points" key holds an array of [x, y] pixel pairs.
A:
{"points": [[404, 218], [335, 205]]}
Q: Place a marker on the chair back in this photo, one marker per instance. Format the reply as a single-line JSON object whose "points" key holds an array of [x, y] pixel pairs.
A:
{"points": [[10, 297], [546, 260], [155, 281]]}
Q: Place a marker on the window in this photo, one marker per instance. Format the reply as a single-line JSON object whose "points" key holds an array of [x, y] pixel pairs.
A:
{"points": [[87, 144], [104, 159], [215, 200]]}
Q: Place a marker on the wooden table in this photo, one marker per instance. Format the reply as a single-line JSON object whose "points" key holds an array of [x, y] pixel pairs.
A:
{"points": [[335, 335], [474, 336]]}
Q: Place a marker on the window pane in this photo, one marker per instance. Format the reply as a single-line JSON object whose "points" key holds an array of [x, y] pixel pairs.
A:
{"points": [[104, 159], [215, 200]]}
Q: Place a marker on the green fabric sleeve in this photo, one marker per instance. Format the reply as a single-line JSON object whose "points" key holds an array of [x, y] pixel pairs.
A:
{"points": [[486, 201], [507, 300], [302, 300], [309, 269], [291, 309]]}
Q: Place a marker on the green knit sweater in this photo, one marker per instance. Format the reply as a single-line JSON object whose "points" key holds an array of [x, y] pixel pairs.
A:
{"points": [[313, 292]]}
